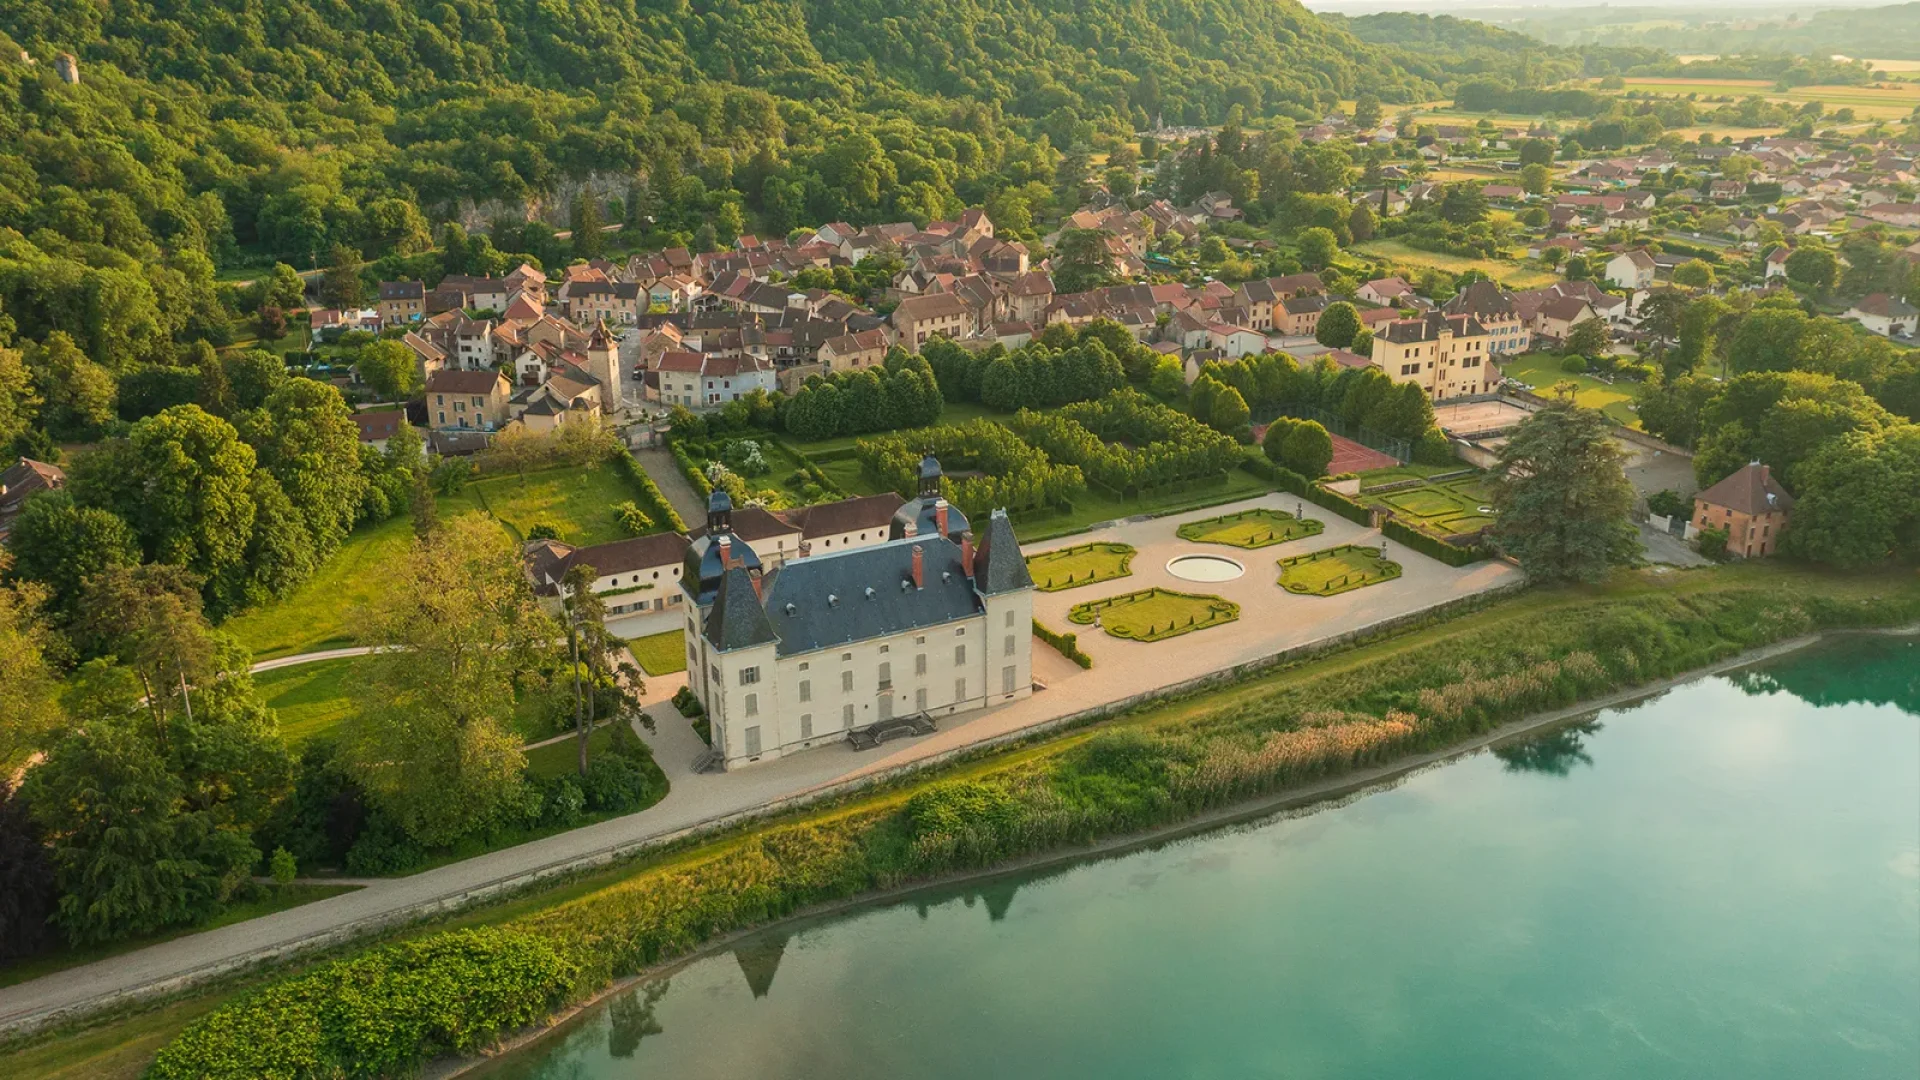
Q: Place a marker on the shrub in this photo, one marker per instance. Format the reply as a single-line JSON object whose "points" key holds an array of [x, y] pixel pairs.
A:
{"points": [[632, 520], [1434, 448], [543, 530], [1713, 543], [1669, 503], [651, 499], [283, 867], [1574, 365], [614, 784], [378, 1014], [685, 700]]}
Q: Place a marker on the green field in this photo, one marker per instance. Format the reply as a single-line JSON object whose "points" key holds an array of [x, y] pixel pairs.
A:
{"points": [[1070, 568], [577, 501], [309, 699], [1542, 372], [1256, 528], [1336, 570], [1514, 275], [319, 614], [1892, 102], [1154, 614], [660, 654]]}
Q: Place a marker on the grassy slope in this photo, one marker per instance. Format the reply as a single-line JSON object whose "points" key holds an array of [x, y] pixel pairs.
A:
{"points": [[118, 1048], [310, 699], [319, 614]]}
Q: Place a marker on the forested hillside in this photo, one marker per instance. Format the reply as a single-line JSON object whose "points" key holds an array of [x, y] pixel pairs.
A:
{"points": [[209, 133]]}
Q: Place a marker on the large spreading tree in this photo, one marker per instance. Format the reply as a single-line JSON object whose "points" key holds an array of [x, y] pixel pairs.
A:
{"points": [[1562, 497]]}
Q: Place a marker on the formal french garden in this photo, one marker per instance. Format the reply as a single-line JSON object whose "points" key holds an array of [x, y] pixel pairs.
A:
{"points": [[1082, 564], [1154, 614], [1256, 528], [1335, 570]]}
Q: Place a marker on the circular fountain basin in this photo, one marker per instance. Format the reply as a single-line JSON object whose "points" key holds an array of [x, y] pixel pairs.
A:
{"points": [[1205, 568]]}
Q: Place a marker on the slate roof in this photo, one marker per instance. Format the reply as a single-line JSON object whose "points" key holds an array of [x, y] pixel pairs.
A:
{"points": [[737, 620], [999, 567], [861, 593]]}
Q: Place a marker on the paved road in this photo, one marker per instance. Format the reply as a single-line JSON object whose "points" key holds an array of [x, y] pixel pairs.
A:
{"points": [[659, 464], [310, 658], [698, 801]]}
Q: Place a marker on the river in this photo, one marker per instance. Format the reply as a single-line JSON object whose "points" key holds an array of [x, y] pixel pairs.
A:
{"points": [[1721, 881]]}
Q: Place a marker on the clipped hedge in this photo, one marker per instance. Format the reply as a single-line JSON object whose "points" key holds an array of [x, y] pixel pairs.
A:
{"points": [[383, 1012], [1067, 645], [691, 470], [1432, 546], [651, 498]]}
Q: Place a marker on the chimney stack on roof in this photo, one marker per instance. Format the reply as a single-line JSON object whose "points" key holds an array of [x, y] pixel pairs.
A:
{"points": [[919, 567], [940, 515], [726, 551], [966, 553]]}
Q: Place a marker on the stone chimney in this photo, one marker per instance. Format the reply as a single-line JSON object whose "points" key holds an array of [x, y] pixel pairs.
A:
{"points": [[940, 515], [726, 552], [966, 553], [919, 567]]}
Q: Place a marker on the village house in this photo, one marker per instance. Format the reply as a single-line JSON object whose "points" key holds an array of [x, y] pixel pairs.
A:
{"points": [[402, 302], [928, 623], [19, 482], [1386, 292], [706, 381], [1630, 270], [1887, 315], [918, 318], [851, 352], [378, 425], [1494, 308], [1445, 355], [475, 400], [1776, 263], [1750, 506]]}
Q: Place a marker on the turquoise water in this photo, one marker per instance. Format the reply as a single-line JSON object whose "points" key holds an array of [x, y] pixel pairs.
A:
{"points": [[1720, 882]]}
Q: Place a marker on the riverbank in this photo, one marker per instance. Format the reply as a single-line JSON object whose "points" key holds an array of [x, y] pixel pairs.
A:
{"points": [[1311, 798], [1305, 733]]}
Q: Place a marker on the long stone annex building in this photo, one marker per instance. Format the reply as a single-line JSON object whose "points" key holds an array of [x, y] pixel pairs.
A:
{"points": [[795, 653]]}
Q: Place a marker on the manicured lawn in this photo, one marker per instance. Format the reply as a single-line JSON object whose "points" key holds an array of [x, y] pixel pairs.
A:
{"points": [[575, 500], [1374, 478], [310, 699], [1256, 528], [1542, 371], [1336, 570], [1514, 275], [272, 898], [660, 654], [319, 614], [1449, 507], [1155, 614], [1070, 568]]}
